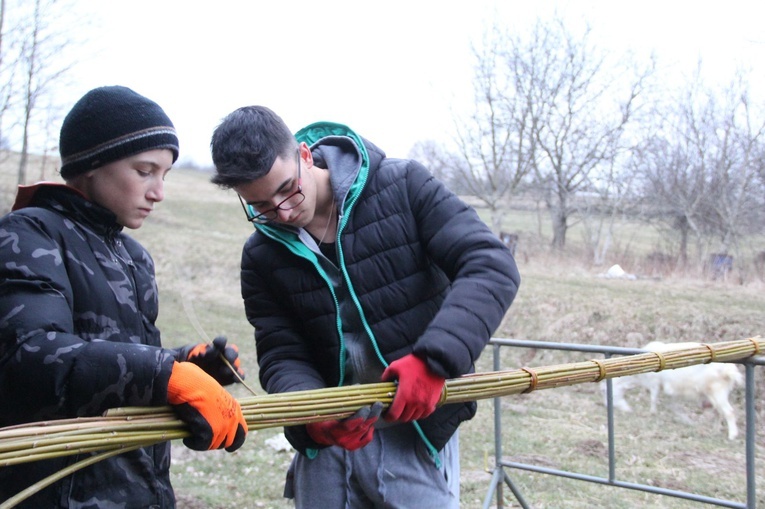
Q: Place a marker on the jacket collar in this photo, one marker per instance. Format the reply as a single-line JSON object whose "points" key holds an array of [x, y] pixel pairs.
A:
{"points": [[69, 201]]}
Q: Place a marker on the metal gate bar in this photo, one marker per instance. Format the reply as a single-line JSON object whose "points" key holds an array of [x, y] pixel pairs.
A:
{"points": [[499, 475]]}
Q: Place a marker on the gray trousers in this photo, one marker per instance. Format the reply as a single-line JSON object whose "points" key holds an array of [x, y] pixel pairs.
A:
{"points": [[394, 471]]}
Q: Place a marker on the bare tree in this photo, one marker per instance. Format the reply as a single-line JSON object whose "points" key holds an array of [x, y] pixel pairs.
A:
{"points": [[674, 186], [494, 144], [736, 208], [438, 161], [581, 110], [701, 169], [601, 209], [10, 40], [42, 67], [30, 56]]}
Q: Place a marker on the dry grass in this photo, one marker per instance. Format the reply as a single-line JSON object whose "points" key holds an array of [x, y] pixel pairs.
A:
{"points": [[196, 236]]}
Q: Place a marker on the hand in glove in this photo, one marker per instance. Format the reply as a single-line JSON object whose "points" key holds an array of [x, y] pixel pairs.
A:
{"points": [[208, 357], [418, 391], [214, 416], [352, 433]]}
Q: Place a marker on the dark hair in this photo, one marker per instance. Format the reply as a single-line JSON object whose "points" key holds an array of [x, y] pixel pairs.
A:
{"points": [[246, 143]]}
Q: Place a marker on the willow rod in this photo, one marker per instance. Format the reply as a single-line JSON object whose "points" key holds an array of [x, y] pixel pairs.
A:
{"points": [[126, 428]]}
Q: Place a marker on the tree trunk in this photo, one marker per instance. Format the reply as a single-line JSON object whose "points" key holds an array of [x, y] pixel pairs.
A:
{"points": [[684, 246], [559, 226], [496, 220]]}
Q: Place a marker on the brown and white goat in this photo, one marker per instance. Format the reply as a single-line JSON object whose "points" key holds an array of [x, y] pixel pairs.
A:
{"points": [[714, 382]]}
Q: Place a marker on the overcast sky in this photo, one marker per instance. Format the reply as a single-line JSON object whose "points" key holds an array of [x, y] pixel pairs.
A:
{"points": [[392, 70]]}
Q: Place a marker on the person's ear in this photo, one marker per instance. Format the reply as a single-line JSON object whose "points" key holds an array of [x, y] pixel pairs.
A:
{"points": [[305, 154]]}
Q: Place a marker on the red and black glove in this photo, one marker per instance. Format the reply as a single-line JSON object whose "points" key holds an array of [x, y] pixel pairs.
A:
{"points": [[213, 415], [352, 433], [208, 357], [418, 391]]}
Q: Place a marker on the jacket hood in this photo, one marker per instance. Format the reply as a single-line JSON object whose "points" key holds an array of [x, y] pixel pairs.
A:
{"points": [[349, 155]]}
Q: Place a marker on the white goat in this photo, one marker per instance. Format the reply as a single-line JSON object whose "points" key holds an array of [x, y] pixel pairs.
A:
{"points": [[713, 381]]}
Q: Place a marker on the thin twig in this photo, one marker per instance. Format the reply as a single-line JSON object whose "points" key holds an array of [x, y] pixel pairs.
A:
{"points": [[188, 308]]}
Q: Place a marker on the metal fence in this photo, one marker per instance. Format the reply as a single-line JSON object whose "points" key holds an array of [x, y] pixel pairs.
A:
{"points": [[500, 476]]}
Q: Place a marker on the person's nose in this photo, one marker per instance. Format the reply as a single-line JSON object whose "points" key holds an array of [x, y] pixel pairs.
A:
{"points": [[157, 191], [283, 215]]}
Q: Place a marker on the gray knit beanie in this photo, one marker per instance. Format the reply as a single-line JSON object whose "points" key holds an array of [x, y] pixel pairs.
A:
{"points": [[111, 123]]}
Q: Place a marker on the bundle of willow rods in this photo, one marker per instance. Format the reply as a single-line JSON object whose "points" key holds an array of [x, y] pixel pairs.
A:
{"points": [[128, 428]]}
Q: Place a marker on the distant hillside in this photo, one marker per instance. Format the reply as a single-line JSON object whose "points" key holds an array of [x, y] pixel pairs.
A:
{"points": [[38, 166]]}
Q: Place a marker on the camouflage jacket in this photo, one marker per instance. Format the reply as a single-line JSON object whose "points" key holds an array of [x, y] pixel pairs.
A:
{"points": [[78, 302]]}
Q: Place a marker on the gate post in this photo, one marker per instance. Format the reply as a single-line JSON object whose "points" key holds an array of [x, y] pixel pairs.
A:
{"points": [[499, 473]]}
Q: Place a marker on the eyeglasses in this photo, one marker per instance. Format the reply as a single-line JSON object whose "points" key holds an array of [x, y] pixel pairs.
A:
{"points": [[289, 203]]}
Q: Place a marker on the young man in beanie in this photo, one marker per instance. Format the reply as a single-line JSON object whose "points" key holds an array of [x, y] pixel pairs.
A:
{"points": [[78, 305], [363, 269]]}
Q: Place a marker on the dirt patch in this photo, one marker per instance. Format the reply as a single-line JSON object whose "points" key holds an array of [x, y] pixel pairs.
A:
{"points": [[186, 501]]}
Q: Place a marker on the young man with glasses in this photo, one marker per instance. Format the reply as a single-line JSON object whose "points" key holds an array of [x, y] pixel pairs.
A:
{"points": [[363, 269]]}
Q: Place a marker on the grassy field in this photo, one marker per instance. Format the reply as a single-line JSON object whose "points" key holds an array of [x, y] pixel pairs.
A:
{"points": [[196, 235]]}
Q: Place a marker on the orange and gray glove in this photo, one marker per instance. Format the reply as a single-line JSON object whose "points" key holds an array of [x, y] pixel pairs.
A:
{"points": [[208, 357], [213, 415], [418, 391], [352, 433]]}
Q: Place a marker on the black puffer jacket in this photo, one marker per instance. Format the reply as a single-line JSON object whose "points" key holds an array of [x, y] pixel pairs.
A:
{"points": [[78, 302], [420, 270]]}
